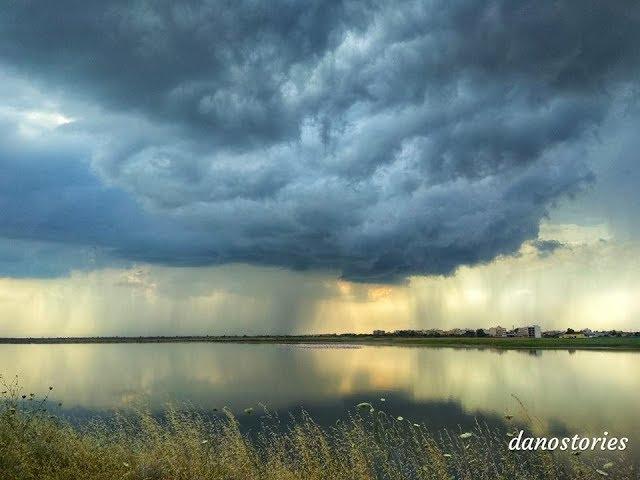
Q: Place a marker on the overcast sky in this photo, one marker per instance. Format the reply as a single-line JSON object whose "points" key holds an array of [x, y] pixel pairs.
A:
{"points": [[320, 165]]}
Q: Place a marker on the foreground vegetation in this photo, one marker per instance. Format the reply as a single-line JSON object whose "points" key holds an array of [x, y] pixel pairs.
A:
{"points": [[34, 444], [603, 343]]}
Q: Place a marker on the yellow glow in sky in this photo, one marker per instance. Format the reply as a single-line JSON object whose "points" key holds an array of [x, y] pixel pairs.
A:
{"points": [[591, 282]]}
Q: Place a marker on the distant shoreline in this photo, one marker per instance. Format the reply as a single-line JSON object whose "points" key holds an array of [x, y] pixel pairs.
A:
{"points": [[599, 343]]}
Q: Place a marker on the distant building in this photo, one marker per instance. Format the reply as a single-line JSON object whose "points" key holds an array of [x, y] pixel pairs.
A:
{"points": [[535, 331], [379, 332], [552, 333], [573, 335], [497, 331], [532, 331]]}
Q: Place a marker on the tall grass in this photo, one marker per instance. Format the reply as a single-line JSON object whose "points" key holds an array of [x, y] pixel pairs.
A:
{"points": [[184, 445]]}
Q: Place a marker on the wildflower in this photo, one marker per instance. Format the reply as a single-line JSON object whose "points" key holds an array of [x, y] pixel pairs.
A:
{"points": [[466, 435]]}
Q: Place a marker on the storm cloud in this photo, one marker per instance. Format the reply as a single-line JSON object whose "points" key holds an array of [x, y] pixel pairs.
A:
{"points": [[373, 139]]}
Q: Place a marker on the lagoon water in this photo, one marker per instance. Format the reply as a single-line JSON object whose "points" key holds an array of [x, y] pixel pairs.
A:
{"points": [[567, 392]]}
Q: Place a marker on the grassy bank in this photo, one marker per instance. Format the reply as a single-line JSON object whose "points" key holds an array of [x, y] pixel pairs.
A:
{"points": [[618, 343], [621, 343], [185, 446]]}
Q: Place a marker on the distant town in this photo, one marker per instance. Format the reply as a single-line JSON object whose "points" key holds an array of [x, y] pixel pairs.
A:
{"points": [[529, 331], [466, 336]]}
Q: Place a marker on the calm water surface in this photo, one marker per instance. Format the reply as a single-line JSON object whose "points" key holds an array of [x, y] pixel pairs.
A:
{"points": [[577, 392]]}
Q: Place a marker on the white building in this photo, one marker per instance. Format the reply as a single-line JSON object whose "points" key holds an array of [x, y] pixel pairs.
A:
{"points": [[532, 331], [497, 331]]}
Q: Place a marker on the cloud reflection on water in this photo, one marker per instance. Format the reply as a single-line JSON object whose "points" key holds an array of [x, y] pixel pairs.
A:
{"points": [[582, 390]]}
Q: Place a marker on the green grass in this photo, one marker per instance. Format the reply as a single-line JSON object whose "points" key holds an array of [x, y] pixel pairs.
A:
{"points": [[613, 343], [618, 343], [621, 343], [34, 444]]}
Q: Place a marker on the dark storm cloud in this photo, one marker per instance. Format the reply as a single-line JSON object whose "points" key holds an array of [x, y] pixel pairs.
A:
{"points": [[547, 247], [379, 140]]}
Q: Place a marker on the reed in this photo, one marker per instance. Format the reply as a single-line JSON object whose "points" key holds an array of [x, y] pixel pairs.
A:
{"points": [[185, 445]]}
